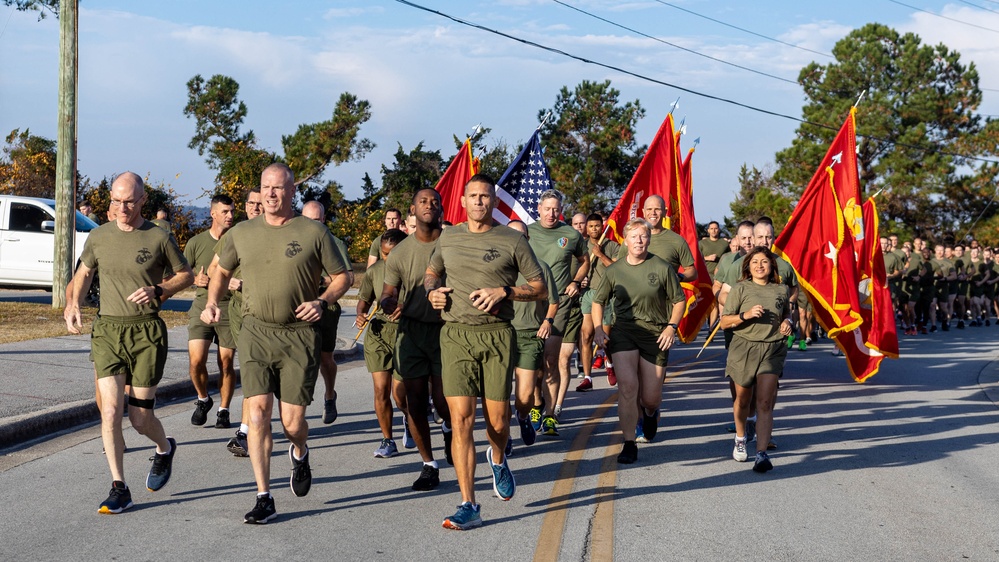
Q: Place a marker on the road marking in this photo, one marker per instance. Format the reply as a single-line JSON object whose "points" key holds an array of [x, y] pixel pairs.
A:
{"points": [[602, 531], [553, 526]]}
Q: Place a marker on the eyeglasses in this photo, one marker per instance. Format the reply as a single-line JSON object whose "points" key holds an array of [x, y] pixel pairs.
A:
{"points": [[130, 203]]}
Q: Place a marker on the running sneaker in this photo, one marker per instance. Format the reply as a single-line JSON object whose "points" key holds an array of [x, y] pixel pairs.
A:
{"points": [[933, 328], [945, 326], [802, 346], [237, 445], [790, 341], [584, 385], [118, 500], [159, 473], [611, 377], [535, 417], [465, 518], [386, 450], [640, 433], [772, 445], [527, 431], [598, 362], [448, 434], [750, 431], [762, 463], [201, 409], [558, 413], [503, 483], [549, 426], [629, 454], [407, 439], [960, 324], [262, 512], [739, 452], [508, 450], [924, 331], [222, 420], [301, 473], [329, 410], [429, 479], [650, 425]]}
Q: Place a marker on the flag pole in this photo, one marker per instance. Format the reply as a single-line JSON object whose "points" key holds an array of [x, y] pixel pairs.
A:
{"points": [[674, 105], [374, 308], [544, 120], [710, 337], [860, 98]]}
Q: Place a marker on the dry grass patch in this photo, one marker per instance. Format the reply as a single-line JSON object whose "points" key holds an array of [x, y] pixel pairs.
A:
{"points": [[21, 321]]}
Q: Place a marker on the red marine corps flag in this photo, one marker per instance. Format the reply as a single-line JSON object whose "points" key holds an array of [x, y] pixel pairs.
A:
{"points": [[876, 338], [657, 174], [700, 298], [819, 244], [451, 186]]}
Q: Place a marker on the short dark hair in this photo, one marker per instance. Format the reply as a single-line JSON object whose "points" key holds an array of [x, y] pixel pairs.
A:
{"points": [[765, 220], [714, 223], [594, 217], [254, 189], [393, 210], [750, 224], [437, 194], [393, 236], [481, 178], [222, 198]]}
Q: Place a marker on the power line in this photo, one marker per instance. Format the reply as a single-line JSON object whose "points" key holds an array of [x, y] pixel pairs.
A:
{"points": [[664, 83], [744, 30], [635, 31], [944, 17], [979, 7]]}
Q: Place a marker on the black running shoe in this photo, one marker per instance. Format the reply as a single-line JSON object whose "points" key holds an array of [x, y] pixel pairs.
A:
{"points": [[329, 411], [629, 454], [237, 445], [429, 479], [301, 473], [222, 420], [118, 500], [159, 473], [262, 512], [762, 463], [201, 409], [447, 445]]}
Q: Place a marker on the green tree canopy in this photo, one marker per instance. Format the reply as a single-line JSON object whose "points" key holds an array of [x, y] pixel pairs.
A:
{"points": [[28, 165], [410, 172], [590, 144], [919, 102]]}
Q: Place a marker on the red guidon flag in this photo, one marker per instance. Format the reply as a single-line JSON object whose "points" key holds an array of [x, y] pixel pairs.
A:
{"points": [[657, 174], [451, 186], [876, 338], [700, 297], [817, 244]]}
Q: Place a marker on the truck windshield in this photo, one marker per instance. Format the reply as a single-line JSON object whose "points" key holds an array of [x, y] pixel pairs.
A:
{"points": [[83, 224]]}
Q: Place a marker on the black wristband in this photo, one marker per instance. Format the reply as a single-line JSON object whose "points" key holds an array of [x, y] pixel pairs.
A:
{"points": [[550, 321], [742, 316], [158, 291], [508, 291]]}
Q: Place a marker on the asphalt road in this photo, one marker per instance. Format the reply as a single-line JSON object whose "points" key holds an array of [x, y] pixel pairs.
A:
{"points": [[899, 468]]}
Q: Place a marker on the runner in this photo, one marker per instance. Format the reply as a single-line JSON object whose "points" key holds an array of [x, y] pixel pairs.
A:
{"points": [[648, 306], [129, 340], [283, 257], [393, 219], [600, 259], [480, 263]]}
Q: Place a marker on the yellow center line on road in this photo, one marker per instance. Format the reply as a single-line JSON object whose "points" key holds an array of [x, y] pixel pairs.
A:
{"points": [[602, 534]]}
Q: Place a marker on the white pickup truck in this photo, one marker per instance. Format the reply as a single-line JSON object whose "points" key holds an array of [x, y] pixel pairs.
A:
{"points": [[27, 242]]}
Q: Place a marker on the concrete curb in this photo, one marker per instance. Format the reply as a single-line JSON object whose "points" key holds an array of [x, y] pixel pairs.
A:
{"points": [[27, 427]]}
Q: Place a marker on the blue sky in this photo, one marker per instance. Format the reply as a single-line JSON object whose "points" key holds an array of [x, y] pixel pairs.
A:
{"points": [[428, 78]]}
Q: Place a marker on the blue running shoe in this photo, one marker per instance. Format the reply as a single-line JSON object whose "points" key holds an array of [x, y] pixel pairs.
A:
{"points": [[465, 518], [386, 449], [407, 439], [640, 433], [503, 483], [535, 416], [119, 500], [159, 473], [549, 426]]}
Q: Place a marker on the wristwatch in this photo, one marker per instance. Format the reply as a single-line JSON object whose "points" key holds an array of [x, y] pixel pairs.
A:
{"points": [[508, 291], [324, 305], [672, 325], [158, 291], [550, 321]]}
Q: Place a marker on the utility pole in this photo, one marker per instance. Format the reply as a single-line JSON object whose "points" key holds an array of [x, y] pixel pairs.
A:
{"points": [[65, 220]]}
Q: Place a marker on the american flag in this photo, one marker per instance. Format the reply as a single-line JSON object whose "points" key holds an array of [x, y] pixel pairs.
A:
{"points": [[520, 188]]}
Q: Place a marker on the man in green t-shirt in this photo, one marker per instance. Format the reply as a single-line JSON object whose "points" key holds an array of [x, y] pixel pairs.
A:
{"points": [[393, 219], [665, 243], [713, 247], [602, 254], [283, 257], [200, 251], [471, 280], [559, 245], [417, 356], [330, 320], [129, 340]]}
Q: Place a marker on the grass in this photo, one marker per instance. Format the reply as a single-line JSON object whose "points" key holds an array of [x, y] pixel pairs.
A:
{"points": [[22, 321]]}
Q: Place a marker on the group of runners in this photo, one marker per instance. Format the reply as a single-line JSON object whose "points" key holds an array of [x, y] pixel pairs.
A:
{"points": [[507, 305]]}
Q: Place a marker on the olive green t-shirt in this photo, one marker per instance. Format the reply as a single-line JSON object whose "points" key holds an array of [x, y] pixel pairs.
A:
{"points": [[725, 273], [342, 248], [376, 248], [282, 266], [468, 261], [645, 292], [669, 246], [708, 247], [404, 269], [126, 261], [942, 269], [558, 247], [199, 252], [597, 268], [374, 277], [774, 299], [164, 224], [530, 315]]}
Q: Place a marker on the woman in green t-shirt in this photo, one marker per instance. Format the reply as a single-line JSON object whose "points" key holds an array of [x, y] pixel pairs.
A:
{"points": [[758, 312], [648, 303]]}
